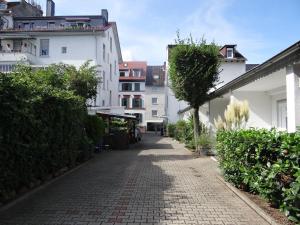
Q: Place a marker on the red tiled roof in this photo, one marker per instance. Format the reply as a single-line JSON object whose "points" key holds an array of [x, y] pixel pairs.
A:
{"points": [[133, 65]]}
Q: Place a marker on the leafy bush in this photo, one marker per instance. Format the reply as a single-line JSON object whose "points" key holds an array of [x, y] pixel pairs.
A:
{"points": [[95, 128], [42, 131], [171, 128], [264, 162]]}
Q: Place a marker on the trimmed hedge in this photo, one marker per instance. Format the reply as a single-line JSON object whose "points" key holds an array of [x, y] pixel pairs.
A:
{"points": [[41, 130], [183, 131], [264, 162]]}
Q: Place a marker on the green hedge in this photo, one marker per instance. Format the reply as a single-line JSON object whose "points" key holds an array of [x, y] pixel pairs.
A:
{"points": [[182, 131], [41, 130], [264, 162]]}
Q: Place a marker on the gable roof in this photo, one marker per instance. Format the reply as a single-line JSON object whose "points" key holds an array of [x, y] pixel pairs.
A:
{"points": [[283, 58]]}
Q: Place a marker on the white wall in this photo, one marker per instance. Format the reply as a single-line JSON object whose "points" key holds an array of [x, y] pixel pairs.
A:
{"points": [[260, 104], [229, 71], [159, 93], [80, 48], [293, 97]]}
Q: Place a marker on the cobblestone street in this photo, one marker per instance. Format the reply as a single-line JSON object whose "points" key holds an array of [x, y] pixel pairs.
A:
{"points": [[156, 182]]}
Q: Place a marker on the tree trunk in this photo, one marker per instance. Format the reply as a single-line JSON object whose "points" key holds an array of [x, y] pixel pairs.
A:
{"points": [[196, 127]]}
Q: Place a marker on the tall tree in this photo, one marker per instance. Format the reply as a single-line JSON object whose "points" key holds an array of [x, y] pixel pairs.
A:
{"points": [[194, 71]]}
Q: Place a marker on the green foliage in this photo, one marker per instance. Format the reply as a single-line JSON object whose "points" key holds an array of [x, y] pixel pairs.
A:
{"points": [[171, 128], [95, 128], [183, 131], [264, 162], [42, 123], [204, 140], [193, 70]]}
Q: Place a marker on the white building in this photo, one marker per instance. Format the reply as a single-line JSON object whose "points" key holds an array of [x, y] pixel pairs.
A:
{"points": [[155, 98], [272, 90], [41, 41], [132, 79], [233, 64]]}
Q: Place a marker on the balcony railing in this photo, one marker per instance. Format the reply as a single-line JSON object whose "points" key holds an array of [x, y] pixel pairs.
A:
{"points": [[58, 28], [16, 55]]}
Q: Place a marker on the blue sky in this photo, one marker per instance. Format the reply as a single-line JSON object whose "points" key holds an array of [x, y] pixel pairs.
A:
{"points": [[260, 28]]}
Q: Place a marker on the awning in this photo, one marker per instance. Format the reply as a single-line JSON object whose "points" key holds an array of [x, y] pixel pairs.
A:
{"points": [[155, 121], [113, 115]]}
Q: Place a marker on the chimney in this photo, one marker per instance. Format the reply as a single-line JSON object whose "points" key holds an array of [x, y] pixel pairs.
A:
{"points": [[50, 8], [104, 14]]}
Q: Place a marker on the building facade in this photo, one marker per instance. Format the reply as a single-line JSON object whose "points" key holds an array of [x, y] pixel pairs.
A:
{"points": [[155, 98], [132, 80], [41, 41], [272, 90]]}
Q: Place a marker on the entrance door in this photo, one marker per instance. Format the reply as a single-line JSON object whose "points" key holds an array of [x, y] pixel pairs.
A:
{"points": [[282, 114]]}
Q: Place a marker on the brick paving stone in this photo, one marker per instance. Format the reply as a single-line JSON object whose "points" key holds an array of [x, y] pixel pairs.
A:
{"points": [[156, 182]]}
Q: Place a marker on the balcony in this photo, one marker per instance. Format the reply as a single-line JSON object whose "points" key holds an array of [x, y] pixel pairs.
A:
{"points": [[132, 78], [16, 56]]}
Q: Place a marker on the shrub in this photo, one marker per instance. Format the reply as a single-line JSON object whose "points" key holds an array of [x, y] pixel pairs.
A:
{"points": [[41, 128], [263, 162], [95, 128], [171, 129]]}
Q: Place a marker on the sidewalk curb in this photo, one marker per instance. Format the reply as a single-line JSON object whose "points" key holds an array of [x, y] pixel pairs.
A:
{"points": [[248, 201], [43, 186]]}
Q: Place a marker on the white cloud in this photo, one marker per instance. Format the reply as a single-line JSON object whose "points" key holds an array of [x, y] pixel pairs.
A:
{"points": [[140, 43], [209, 19]]}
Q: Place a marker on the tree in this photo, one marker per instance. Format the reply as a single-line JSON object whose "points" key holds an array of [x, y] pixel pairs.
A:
{"points": [[194, 71]]}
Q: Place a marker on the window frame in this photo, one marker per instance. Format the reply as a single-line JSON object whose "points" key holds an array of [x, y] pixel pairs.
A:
{"points": [[154, 114], [229, 50], [154, 103], [41, 49]]}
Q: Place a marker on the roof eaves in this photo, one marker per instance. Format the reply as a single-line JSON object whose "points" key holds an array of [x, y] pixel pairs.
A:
{"points": [[249, 76]]}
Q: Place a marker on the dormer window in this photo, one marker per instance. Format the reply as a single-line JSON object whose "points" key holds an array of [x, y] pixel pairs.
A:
{"points": [[229, 53]]}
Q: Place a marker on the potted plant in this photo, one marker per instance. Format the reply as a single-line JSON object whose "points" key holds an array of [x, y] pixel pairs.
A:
{"points": [[205, 144]]}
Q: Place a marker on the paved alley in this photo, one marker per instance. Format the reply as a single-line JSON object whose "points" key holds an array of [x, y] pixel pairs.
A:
{"points": [[156, 182]]}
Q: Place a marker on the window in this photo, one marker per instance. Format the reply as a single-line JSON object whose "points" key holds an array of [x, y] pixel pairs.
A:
{"points": [[122, 73], [154, 113], [137, 86], [110, 72], [103, 102], [17, 45], [229, 52], [137, 103], [126, 87], [125, 102], [282, 114], [51, 25], [3, 5], [154, 101], [26, 26], [5, 68], [63, 50], [80, 25], [44, 47], [136, 73], [115, 68], [156, 77], [104, 52], [110, 44]]}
